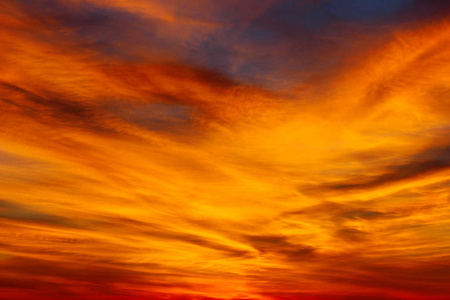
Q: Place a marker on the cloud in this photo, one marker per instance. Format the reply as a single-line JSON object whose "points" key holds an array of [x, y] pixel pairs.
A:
{"points": [[422, 165], [15, 211], [280, 245], [224, 150]]}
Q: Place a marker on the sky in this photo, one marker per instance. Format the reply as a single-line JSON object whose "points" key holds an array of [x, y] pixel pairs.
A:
{"points": [[224, 149]]}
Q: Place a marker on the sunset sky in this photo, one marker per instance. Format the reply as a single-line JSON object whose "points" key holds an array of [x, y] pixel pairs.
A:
{"points": [[225, 150]]}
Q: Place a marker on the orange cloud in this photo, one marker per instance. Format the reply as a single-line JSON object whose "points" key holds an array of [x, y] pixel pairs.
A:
{"points": [[131, 172]]}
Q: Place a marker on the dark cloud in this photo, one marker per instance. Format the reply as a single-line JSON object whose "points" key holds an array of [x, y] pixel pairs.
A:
{"points": [[15, 211], [336, 212], [54, 109], [362, 214], [363, 10], [158, 107], [397, 173], [316, 210], [197, 241], [421, 165], [352, 235], [109, 31], [151, 116], [281, 246]]}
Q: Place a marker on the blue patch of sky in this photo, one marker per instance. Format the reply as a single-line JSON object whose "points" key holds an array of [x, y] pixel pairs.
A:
{"points": [[360, 10], [303, 29]]}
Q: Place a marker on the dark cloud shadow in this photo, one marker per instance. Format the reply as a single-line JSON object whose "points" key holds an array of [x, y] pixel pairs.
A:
{"points": [[15, 211], [419, 166]]}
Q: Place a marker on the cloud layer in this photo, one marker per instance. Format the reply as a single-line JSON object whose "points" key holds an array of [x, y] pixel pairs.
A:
{"points": [[259, 150]]}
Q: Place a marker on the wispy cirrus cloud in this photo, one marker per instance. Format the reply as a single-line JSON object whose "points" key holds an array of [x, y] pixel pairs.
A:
{"points": [[224, 150]]}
